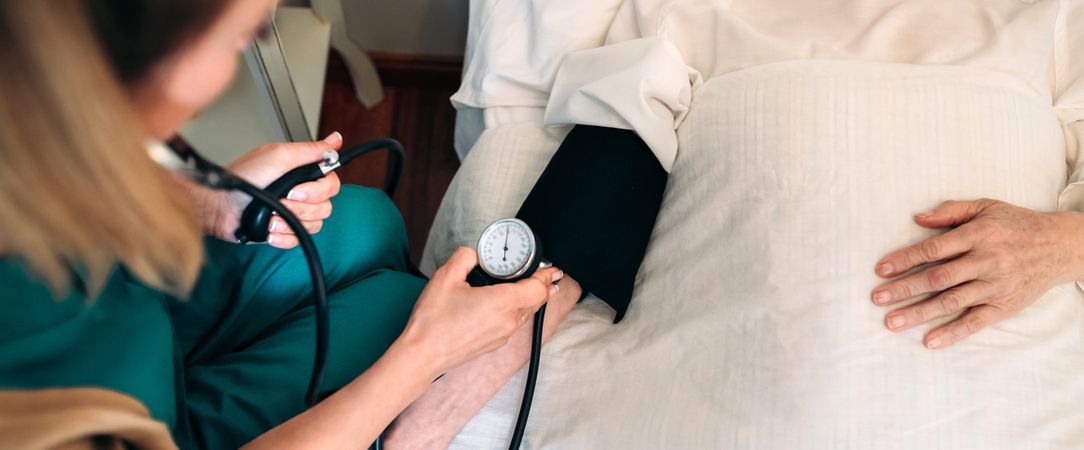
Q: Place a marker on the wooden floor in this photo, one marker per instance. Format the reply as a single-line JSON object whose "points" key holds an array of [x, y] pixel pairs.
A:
{"points": [[416, 112]]}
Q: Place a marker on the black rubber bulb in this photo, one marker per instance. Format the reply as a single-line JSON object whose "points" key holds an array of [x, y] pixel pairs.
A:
{"points": [[256, 218]]}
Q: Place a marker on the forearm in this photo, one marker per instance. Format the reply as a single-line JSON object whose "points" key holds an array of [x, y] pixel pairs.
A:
{"points": [[355, 415], [450, 402], [206, 203]]}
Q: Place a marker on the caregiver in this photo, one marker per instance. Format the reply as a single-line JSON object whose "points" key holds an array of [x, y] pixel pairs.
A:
{"points": [[108, 282]]}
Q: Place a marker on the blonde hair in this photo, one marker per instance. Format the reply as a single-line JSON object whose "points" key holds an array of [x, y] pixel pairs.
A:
{"points": [[77, 188]]}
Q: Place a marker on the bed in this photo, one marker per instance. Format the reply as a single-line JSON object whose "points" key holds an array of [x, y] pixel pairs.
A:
{"points": [[790, 175]]}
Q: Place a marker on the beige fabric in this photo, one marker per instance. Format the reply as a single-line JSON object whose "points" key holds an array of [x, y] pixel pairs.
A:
{"points": [[1017, 37], [1069, 98], [515, 47], [819, 129], [78, 418], [1037, 42], [751, 325]]}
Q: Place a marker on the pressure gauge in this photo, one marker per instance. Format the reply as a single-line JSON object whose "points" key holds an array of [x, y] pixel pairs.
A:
{"points": [[508, 250]]}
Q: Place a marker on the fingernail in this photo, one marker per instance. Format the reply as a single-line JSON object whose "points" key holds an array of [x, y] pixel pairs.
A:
{"points": [[272, 227], [272, 239], [297, 195], [333, 137], [895, 322], [924, 215], [884, 269], [557, 276], [881, 297], [553, 289], [933, 343]]}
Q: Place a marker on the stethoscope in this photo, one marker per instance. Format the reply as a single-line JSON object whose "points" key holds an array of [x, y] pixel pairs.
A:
{"points": [[525, 257]]}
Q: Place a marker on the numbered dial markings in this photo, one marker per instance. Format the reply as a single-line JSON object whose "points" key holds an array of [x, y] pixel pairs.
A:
{"points": [[506, 248]]}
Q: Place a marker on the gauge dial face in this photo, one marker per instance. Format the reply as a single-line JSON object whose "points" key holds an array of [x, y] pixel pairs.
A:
{"points": [[506, 248]]}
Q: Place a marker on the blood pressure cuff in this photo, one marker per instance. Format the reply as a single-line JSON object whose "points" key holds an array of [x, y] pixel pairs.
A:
{"points": [[594, 207]]}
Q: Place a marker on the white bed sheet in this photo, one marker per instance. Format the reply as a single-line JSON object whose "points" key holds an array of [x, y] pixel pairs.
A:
{"points": [[751, 325]]}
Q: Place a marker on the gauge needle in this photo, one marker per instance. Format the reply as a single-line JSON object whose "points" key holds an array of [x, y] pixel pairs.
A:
{"points": [[506, 243]]}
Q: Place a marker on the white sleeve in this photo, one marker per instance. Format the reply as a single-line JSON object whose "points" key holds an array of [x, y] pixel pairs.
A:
{"points": [[642, 85], [1069, 98], [513, 51], [514, 47]]}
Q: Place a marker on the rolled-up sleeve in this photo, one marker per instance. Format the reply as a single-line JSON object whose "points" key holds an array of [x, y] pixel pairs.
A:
{"points": [[513, 51], [515, 47], [643, 85], [1072, 198], [1069, 99]]}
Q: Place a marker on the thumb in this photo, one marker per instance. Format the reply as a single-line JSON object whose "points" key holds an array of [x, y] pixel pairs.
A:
{"points": [[544, 278], [333, 141], [459, 265], [951, 213], [301, 153]]}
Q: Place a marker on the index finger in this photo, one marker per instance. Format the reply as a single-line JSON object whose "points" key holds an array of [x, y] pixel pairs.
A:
{"points": [[318, 191], [937, 248]]}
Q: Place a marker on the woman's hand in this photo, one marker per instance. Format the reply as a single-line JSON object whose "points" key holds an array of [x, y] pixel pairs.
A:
{"points": [[433, 420], [311, 202], [997, 260], [453, 322]]}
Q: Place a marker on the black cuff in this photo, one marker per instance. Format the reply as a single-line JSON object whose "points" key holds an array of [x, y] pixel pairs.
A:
{"points": [[594, 207]]}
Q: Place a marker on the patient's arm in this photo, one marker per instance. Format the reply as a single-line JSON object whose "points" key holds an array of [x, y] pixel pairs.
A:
{"points": [[593, 210], [435, 418]]}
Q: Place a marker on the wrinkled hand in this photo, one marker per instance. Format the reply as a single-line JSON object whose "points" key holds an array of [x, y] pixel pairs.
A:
{"points": [[453, 323], [997, 260], [311, 202]]}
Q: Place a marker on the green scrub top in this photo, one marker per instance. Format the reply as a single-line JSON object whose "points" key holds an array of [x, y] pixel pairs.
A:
{"points": [[234, 359]]}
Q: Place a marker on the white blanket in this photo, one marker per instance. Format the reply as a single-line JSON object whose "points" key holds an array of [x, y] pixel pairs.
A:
{"points": [[751, 326]]}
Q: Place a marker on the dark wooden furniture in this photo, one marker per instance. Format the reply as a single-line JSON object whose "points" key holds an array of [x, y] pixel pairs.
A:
{"points": [[416, 111]]}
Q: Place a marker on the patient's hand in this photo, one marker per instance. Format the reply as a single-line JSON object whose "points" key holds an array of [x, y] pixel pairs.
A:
{"points": [[997, 260], [433, 420]]}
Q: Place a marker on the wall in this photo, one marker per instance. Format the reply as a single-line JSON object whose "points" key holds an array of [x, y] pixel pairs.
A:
{"points": [[244, 118], [426, 27], [432, 27], [240, 121]]}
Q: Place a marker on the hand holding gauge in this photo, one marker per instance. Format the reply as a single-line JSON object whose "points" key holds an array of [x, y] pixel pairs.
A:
{"points": [[509, 251]]}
